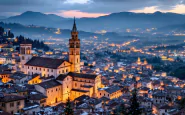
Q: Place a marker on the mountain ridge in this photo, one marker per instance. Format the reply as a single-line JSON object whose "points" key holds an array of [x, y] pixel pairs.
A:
{"points": [[112, 22]]}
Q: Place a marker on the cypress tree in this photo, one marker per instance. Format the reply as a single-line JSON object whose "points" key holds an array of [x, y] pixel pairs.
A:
{"points": [[68, 110], [134, 108]]}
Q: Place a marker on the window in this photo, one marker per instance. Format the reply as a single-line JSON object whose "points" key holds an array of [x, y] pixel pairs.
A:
{"points": [[22, 57], [18, 103], [108, 95], [48, 70], [32, 67], [48, 91], [40, 69], [66, 70], [56, 89], [51, 70], [75, 84], [62, 71], [100, 93], [11, 104], [3, 105], [28, 67], [36, 68]]}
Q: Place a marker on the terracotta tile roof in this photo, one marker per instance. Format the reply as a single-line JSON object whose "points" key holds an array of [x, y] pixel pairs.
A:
{"points": [[11, 97], [81, 75], [45, 62], [49, 84]]}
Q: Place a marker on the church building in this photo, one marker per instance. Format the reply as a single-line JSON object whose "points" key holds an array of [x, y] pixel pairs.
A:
{"points": [[68, 82], [48, 66]]}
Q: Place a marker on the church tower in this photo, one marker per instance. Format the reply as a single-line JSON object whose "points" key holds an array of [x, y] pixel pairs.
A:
{"points": [[25, 54], [74, 50], [138, 61]]}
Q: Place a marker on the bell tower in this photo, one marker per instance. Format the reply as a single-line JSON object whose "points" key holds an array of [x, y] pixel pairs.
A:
{"points": [[25, 54], [74, 50]]}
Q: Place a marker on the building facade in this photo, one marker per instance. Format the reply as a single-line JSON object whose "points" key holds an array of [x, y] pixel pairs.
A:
{"points": [[48, 66]]}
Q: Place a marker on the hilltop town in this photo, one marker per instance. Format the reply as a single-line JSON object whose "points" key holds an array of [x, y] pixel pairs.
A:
{"points": [[90, 77]]}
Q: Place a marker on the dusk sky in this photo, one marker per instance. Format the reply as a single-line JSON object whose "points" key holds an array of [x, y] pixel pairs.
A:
{"points": [[89, 8]]}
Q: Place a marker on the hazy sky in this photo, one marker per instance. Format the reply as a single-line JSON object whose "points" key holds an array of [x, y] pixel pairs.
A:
{"points": [[89, 8]]}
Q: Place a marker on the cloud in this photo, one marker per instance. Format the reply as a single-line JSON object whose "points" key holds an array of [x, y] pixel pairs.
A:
{"points": [[79, 14], [90, 7], [175, 9], [77, 1]]}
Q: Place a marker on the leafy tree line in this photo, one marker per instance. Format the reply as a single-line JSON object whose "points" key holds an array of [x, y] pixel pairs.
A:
{"points": [[154, 60], [19, 39], [35, 43]]}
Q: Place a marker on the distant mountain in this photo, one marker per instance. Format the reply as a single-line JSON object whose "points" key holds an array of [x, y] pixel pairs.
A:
{"points": [[174, 28], [35, 18], [113, 22], [40, 32], [3, 17]]}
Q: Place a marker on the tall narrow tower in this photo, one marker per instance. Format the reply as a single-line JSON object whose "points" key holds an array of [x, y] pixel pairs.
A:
{"points": [[74, 50], [25, 54]]}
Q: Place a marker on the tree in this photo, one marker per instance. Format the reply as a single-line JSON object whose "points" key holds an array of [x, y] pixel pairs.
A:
{"points": [[120, 110], [134, 108], [182, 103], [1, 31], [68, 110]]}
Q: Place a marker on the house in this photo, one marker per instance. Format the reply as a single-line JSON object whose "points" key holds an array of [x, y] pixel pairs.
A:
{"points": [[31, 109], [19, 77], [11, 103], [159, 97], [52, 89], [110, 92]]}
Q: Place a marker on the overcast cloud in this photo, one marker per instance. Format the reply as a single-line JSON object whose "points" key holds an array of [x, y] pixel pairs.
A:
{"points": [[13, 7]]}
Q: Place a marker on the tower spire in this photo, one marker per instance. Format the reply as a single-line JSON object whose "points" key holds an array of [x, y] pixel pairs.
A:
{"points": [[74, 26]]}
